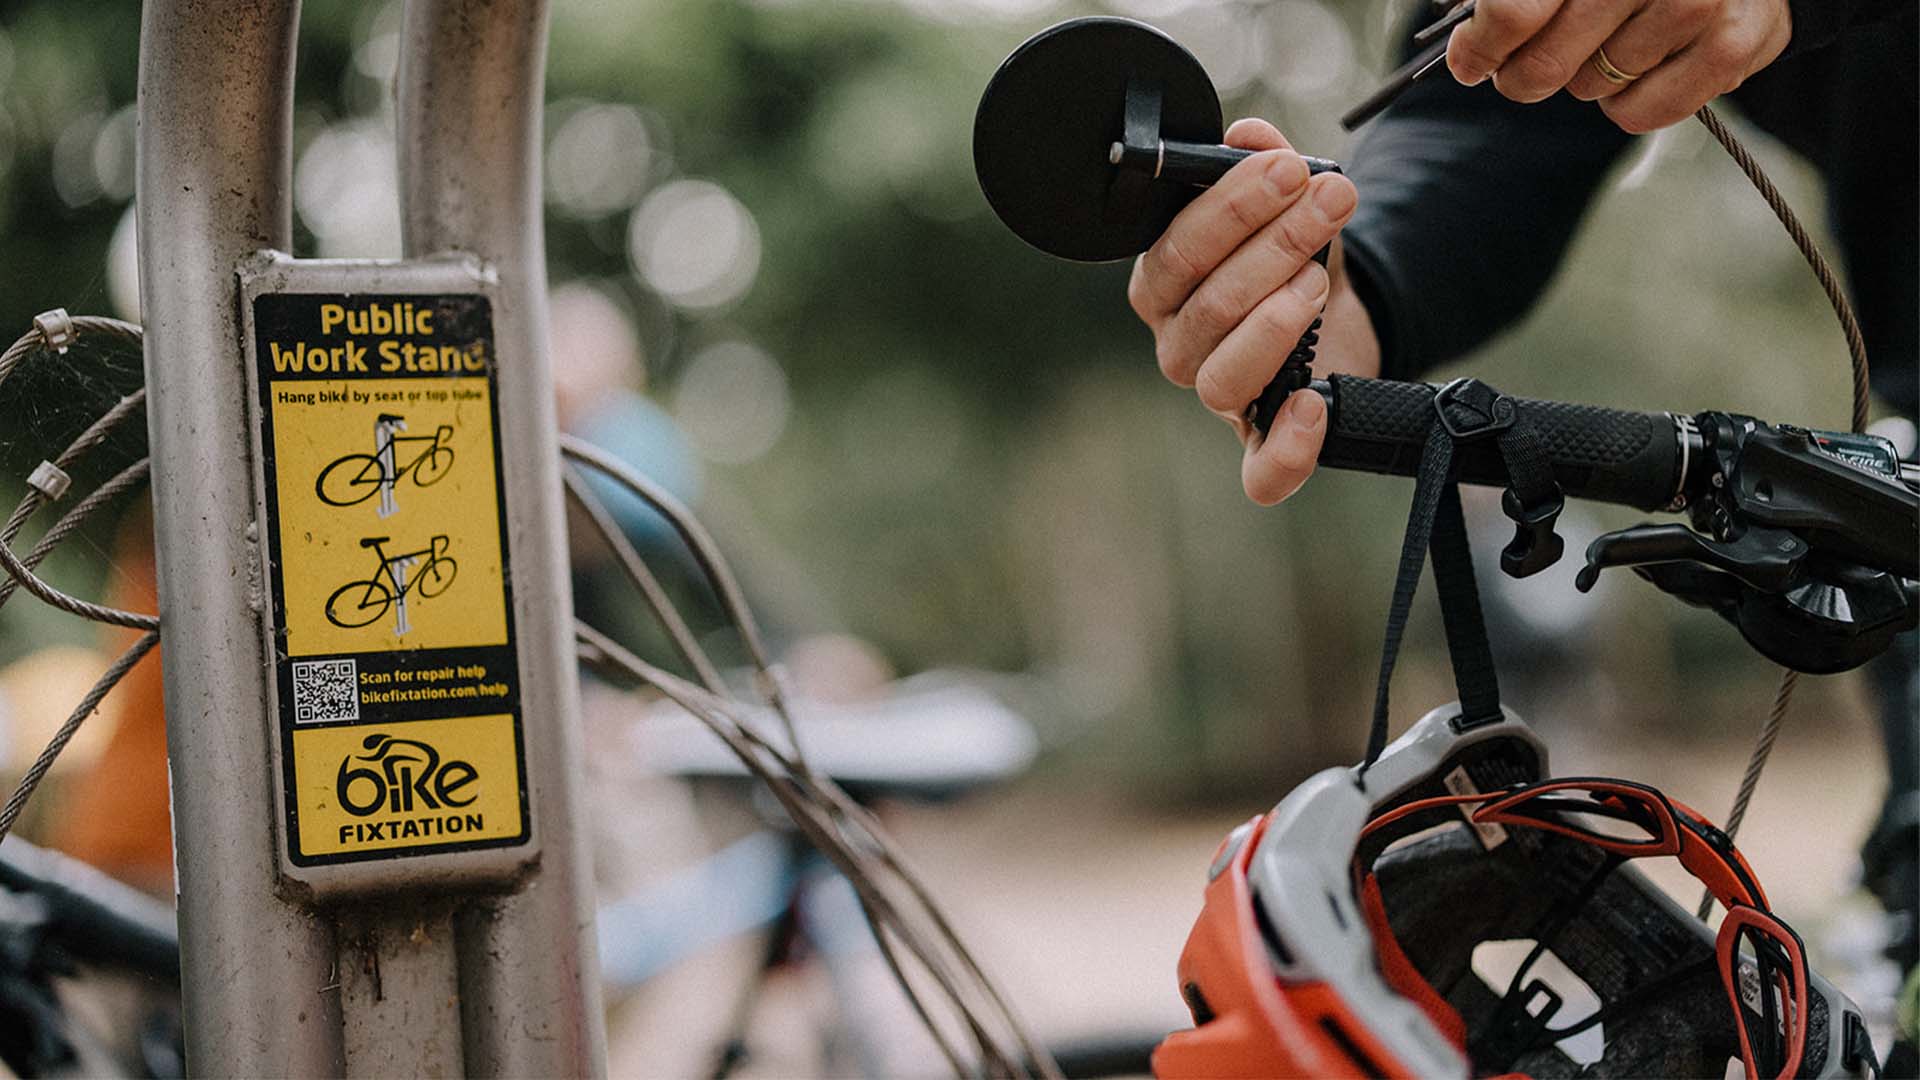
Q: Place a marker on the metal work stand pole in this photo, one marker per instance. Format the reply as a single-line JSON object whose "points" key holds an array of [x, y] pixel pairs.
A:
{"points": [[301, 956], [470, 105], [215, 149]]}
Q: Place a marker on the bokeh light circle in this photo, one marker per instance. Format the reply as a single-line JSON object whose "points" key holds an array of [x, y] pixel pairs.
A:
{"points": [[732, 402], [692, 242]]}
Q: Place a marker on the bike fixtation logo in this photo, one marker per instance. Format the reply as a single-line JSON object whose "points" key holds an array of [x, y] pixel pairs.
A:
{"points": [[358, 603], [410, 788]]}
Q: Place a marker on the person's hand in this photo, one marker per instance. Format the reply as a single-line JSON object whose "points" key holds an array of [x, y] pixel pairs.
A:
{"points": [[1231, 285], [1667, 57]]}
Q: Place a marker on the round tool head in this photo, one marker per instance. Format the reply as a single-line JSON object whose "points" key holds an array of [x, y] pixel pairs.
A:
{"points": [[1052, 113]]}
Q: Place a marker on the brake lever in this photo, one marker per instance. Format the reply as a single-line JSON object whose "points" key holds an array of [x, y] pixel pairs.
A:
{"points": [[1763, 559], [1796, 608]]}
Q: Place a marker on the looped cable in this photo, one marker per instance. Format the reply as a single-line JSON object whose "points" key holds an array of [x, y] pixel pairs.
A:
{"points": [[107, 681], [1809, 250], [81, 327]]}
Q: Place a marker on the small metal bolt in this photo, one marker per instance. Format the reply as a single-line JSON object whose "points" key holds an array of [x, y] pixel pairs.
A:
{"points": [[56, 329], [49, 480]]}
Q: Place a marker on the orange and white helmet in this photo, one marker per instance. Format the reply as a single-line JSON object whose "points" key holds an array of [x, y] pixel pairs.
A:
{"points": [[1340, 931]]}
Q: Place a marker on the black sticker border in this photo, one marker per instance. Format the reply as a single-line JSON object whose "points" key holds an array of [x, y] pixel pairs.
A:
{"points": [[266, 379]]}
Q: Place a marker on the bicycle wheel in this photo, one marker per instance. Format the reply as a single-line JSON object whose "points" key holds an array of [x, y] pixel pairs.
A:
{"points": [[349, 480], [437, 575], [433, 465], [373, 600]]}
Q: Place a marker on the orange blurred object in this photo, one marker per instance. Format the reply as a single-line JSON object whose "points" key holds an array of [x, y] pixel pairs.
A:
{"points": [[120, 819]]}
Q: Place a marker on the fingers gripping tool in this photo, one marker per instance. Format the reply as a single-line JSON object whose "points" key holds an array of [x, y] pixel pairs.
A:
{"points": [[1094, 134]]}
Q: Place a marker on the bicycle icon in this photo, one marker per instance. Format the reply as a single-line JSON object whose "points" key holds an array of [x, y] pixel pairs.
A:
{"points": [[358, 603], [353, 478]]}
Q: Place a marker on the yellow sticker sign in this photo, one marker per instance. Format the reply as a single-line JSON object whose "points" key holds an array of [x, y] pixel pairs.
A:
{"points": [[381, 787], [392, 606]]}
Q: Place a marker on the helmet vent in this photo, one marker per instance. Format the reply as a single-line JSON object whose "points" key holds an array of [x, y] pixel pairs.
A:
{"points": [[1197, 1004], [1361, 1059]]}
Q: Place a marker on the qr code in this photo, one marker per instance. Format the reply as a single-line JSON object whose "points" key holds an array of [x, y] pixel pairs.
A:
{"points": [[325, 690]]}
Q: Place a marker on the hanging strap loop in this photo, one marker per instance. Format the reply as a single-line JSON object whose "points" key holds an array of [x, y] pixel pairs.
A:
{"points": [[1466, 410], [1435, 525], [1470, 410]]}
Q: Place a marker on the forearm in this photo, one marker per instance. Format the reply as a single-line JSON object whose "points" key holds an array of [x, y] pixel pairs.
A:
{"points": [[1467, 204], [1349, 343]]}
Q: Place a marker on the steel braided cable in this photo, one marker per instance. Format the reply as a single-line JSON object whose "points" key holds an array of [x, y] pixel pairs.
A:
{"points": [[20, 572], [73, 605], [83, 325], [1756, 763], [846, 810], [649, 585], [1857, 357], [707, 554], [1829, 281], [1763, 746], [95, 434], [806, 796], [35, 772], [881, 938], [890, 854], [126, 480], [853, 820]]}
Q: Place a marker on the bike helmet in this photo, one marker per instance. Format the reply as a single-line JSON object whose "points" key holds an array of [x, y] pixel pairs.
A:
{"points": [[1339, 932]]}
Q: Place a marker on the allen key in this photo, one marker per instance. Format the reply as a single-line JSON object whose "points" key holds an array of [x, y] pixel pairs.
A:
{"points": [[1412, 71]]}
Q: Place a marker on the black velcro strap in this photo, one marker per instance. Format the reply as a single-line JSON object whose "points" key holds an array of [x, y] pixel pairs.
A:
{"points": [[1533, 500], [1529, 471], [1435, 523], [1467, 646], [1436, 469], [1471, 410]]}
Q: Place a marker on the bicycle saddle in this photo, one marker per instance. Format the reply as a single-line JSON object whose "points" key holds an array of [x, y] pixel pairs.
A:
{"points": [[933, 736], [373, 541]]}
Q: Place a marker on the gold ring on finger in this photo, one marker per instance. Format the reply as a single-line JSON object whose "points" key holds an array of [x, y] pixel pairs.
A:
{"points": [[1609, 72]]}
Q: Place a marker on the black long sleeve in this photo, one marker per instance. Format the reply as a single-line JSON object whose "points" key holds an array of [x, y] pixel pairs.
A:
{"points": [[1468, 200], [1818, 23], [1467, 203]]}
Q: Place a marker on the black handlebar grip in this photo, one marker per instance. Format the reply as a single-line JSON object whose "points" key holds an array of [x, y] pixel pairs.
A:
{"points": [[1296, 372], [1608, 455], [93, 917]]}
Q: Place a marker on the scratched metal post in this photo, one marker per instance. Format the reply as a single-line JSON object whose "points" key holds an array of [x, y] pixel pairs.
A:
{"points": [[371, 727]]}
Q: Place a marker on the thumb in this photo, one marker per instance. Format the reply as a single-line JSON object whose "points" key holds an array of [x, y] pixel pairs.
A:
{"points": [[1254, 133]]}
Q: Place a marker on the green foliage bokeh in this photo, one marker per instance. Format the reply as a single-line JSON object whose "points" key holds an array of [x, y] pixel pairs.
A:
{"points": [[980, 465]]}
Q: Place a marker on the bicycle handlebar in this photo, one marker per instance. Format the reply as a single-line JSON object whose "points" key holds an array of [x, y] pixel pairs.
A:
{"points": [[95, 917], [1608, 455]]}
